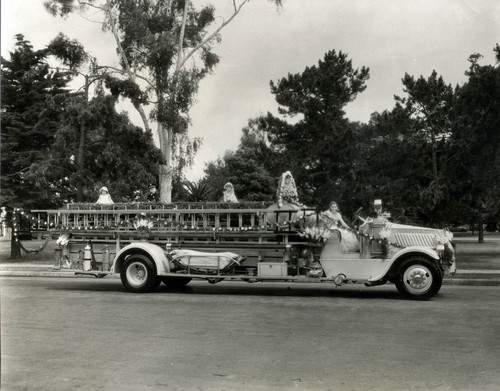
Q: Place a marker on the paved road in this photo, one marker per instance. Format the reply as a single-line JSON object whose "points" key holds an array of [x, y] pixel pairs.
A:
{"points": [[88, 334]]}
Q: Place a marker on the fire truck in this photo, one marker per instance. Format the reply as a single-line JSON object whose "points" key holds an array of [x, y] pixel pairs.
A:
{"points": [[147, 244]]}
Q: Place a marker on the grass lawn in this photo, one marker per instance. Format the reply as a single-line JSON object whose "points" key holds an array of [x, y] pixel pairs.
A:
{"points": [[470, 254], [481, 256], [46, 256]]}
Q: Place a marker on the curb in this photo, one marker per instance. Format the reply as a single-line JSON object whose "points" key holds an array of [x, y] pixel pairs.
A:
{"points": [[472, 281]]}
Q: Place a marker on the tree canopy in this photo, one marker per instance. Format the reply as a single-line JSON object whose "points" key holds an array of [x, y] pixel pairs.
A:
{"points": [[33, 96], [474, 161], [252, 168], [165, 49], [321, 144], [433, 158], [41, 138]]}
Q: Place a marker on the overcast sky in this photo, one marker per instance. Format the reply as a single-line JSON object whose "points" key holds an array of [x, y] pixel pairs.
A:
{"points": [[390, 37]]}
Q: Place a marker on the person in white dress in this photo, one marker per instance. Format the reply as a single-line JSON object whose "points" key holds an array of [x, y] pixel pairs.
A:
{"points": [[287, 191], [104, 197], [334, 221], [228, 193]]}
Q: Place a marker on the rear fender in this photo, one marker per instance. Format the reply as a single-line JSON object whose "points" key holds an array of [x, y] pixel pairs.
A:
{"points": [[403, 254], [153, 251]]}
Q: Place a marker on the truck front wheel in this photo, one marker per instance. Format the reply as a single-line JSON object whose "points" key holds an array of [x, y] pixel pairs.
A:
{"points": [[138, 274], [418, 278]]}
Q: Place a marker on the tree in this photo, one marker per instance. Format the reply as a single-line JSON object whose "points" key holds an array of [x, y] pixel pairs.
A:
{"points": [[74, 58], [198, 191], [165, 49], [83, 120], [29, 88], [42, 138], [321, 145], [251, 168], [429, 103], [33, 97], [118, 155], [391, 167], [475, 163]]}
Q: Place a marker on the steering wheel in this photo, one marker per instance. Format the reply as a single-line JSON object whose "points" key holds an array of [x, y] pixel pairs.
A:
{"points": [[357, 216]]}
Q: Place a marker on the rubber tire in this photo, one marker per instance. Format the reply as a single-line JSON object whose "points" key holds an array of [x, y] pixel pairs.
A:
{"points": [[143, 265], [175, 282], [433, 276]]}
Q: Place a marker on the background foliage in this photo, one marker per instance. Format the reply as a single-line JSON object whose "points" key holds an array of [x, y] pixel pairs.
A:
{"points": [[42, 127], [433, 158]]}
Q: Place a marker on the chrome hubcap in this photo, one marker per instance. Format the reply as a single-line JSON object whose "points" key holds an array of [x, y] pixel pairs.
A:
{"points": [[137, 274], [417, 278]]}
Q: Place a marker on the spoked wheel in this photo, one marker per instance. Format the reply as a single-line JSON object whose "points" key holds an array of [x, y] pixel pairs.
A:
{"points": [[175, 282], [419, 279], [139, 274]]}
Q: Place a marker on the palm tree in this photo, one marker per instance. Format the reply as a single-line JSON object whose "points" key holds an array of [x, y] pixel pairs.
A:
{"points": [[198, 191]]}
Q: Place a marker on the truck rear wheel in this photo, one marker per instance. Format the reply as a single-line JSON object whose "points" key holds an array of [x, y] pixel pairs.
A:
{"points": [[138, 274], [418, 278], [175, 282]]}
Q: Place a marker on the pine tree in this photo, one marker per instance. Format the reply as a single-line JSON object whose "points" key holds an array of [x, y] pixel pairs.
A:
{"points": [[32, 100]]}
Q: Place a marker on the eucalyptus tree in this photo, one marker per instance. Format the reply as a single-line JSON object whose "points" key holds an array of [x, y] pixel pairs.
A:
{"points": [[165, 48]]}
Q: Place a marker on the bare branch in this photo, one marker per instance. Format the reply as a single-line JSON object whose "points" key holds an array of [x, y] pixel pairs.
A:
{"points": [[128, 69], [237, 9], [87, 4], [122, 72], [18, 172], [181, 38]]}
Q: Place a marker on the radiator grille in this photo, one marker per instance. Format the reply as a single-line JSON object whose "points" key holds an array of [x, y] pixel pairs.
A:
{"points": [[415, 239]]}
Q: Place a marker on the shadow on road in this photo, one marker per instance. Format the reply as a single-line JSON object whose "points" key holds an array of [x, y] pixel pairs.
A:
{"points": [[388, 292]]}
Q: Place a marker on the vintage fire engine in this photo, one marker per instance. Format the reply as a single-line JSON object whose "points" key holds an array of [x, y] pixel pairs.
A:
{"points": [[149, 244]]}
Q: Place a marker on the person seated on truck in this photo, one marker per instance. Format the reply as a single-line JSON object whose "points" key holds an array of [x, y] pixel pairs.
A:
{"points": [[334, 221], [153, 195], [228, 193], [288, 198], [104, 197], [287, 191]]}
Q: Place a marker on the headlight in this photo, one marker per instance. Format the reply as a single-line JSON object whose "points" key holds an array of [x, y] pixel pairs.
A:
{"points": [[440, 250]]}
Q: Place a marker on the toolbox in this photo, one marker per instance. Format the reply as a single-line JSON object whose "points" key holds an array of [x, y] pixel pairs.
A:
{"points": [[272, 269]]}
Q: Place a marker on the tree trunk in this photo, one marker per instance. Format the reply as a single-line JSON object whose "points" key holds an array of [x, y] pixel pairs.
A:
{"points": [[165, 184], [165, 174], [480, 232], [80, 163], [15, 248], [434, 158]]}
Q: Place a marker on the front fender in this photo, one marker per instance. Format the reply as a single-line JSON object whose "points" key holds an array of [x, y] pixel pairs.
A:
{"points": [[155, 252], [413, 250]]}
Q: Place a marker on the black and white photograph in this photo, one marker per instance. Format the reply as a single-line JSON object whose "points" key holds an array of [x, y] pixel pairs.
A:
{"points": [[232, 195]]}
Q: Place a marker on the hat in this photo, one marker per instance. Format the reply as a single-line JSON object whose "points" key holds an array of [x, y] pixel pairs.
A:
{"points": [[151, 185]]}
